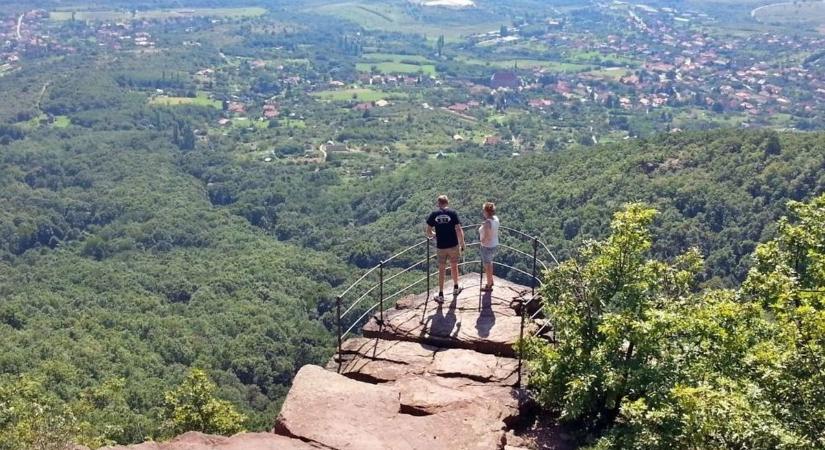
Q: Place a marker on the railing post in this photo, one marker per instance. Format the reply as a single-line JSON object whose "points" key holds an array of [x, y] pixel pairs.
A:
{"points": [[535, 250], [338, 308], [521, 341], [381, 290], [427, 276], [480, 285], [428, 268]]}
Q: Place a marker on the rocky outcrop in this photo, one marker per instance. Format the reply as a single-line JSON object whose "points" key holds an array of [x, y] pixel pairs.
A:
{"points": [[378, 360], [483, 322], [427, 377], [243, 441], [336, 412]]}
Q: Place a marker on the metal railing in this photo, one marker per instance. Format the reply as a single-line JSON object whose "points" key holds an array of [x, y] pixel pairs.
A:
{"points": [[362, 311]]}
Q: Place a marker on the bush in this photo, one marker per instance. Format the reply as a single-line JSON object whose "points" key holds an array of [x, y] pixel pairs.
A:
{"points": [[193, 407], [645, 361]]}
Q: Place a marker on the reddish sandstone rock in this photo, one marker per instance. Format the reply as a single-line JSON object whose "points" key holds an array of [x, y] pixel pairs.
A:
{"points": [[242, 441], [482, 322], [337, 412], [378, 360], [433, 395]]}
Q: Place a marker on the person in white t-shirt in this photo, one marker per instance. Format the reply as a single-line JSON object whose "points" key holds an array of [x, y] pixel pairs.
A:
{"points": [[488, 233]]}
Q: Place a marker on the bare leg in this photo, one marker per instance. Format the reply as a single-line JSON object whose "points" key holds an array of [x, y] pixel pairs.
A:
{"points": [[454, 270], [442, 267], [488, 269]]}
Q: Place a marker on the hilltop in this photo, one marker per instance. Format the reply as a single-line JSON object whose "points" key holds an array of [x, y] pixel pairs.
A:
{"points": [[185, 189]]}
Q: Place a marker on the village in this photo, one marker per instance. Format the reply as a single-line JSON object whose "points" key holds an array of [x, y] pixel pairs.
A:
{"points": [[534, 84]]}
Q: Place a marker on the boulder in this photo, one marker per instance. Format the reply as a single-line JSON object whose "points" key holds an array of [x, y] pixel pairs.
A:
{"points": [[432, 394], [482, 322], [242, 441], [503, 300], [378, 360], [334, 411], [476, 366]]}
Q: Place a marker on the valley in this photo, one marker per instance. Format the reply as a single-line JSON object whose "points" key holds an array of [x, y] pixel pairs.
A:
{"points": [[190, 185]]}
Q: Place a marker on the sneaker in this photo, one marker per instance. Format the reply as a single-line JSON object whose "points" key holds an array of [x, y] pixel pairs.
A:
{"points": [[487, 288], [457, 290], [439, 298]]}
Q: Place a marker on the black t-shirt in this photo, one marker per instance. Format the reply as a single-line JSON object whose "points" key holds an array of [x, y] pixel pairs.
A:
{"points": [[444, 222]]}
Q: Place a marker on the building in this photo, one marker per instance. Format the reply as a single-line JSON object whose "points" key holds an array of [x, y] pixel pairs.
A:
{"points": [[331, 147], [492, 140], [507, 80]]}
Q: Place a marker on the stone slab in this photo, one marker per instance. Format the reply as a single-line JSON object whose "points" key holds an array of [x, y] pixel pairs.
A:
{"points": [[334, 411], [378, 360], [242, 441]]}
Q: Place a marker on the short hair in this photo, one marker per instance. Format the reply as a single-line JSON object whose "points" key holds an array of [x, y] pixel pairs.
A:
{"points": [[490, 208], [443, 200]]}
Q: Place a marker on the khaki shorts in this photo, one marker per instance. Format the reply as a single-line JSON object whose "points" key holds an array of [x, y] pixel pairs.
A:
{"points": [[452, 253]]}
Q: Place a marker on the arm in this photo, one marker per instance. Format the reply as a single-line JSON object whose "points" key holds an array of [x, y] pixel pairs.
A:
{"points": [[460, 233], [429, 229], [484, 233]]}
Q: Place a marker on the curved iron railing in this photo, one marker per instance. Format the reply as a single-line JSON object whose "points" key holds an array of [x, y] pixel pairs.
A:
{"points": [[357, 307]]}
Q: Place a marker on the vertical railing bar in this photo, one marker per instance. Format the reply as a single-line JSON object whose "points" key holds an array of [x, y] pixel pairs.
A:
{"points": [[428, 268], [480, 280], [340, 355], [427, 298], [521, 342], [533, 280], [381, 291]]}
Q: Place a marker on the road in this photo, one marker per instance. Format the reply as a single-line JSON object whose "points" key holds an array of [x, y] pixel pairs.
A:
{"points": [[42, 93], [19, 27]]}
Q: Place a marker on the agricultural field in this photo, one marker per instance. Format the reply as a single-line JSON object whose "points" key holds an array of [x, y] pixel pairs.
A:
{"points": [[696, 118], [555, 66], [245, 122], [396, 68], [791, 12], [394, 18], [610, 73], [356, 94], [394, 63], [593, 57], [61, 122], [200, 100], [158, 14], [446, 3], [395, 57]]}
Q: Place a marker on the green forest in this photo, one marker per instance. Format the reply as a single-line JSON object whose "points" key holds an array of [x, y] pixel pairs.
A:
{"points": [[120, 263], [183, 196], [645, 360]]}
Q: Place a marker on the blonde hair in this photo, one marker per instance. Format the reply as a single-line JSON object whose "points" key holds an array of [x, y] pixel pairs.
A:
{"points": [[490, 208], [443, 200]]}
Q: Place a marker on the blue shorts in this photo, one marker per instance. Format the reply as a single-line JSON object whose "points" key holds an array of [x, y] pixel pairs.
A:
{"points": [[487, 254]]}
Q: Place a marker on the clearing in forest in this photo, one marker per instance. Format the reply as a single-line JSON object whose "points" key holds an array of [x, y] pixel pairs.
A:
{"points": [[791, 12], [357, 94], [200, 100], [65, 14]]}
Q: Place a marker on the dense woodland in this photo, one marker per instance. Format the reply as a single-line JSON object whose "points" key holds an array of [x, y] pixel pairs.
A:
{"points": [[717, 191], [149, 259], [126, 258], [643, 359]]}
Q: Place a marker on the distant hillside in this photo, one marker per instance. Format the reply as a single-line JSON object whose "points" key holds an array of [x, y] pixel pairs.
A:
{"points": [[118, 275], [719, 191], [124, 258]]}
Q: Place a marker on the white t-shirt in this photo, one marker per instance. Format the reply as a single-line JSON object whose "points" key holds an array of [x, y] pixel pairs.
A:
{"points": [[492, 235]]}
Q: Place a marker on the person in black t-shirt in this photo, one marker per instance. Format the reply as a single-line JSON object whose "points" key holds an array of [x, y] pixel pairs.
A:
{"points": [[445, 226]]}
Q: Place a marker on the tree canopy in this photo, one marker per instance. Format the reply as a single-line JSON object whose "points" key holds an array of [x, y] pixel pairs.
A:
{"points": [[643, 359]]}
